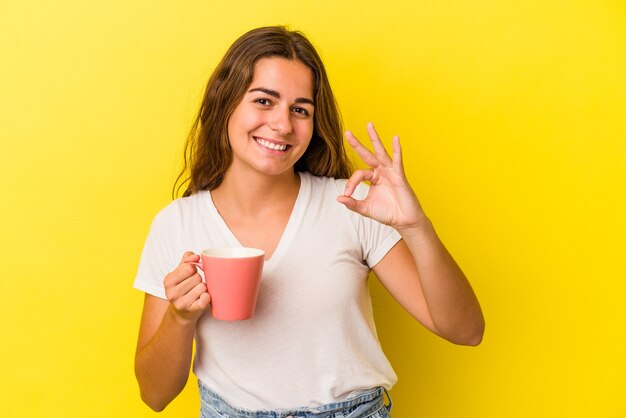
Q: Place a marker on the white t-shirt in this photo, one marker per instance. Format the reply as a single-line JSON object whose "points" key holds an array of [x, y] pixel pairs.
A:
{"points": [[312, 340]]}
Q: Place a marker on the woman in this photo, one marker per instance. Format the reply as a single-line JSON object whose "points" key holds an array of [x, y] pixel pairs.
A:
{"points": [[265, 161]]}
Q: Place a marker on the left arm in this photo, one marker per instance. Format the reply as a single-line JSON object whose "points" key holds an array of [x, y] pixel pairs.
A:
{"points": [[418, 272]]}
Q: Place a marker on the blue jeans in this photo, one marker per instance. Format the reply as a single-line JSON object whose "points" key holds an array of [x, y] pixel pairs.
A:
{"points": [[366, 404]]}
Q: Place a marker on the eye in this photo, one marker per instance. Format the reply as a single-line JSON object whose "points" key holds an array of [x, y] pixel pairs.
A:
{"points": [[300, 110], [263, 101]]}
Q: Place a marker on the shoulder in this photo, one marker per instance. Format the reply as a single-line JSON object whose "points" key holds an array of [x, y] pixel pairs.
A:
{"points": [[181, 209]]}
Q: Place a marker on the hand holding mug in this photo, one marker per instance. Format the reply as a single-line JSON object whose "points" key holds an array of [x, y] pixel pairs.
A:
{"points": [[185, 290]]}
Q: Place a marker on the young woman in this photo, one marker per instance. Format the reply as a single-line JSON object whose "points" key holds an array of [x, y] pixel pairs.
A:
{"points": [[266, 160]]}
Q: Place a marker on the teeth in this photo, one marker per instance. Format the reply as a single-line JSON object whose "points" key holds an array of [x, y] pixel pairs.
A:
{"points": [[270, 145]]}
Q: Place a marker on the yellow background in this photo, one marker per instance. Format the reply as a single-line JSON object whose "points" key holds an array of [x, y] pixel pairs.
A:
{"points": [[513, 117]]}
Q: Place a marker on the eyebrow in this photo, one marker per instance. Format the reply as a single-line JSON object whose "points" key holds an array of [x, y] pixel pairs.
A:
{"points": [[276, 94]]}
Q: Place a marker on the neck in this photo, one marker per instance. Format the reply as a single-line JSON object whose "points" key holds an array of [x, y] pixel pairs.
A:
{"points": [[256, 194]]}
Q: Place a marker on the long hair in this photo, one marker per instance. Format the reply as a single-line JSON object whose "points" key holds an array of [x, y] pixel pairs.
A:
{"points": [[208, 154]]}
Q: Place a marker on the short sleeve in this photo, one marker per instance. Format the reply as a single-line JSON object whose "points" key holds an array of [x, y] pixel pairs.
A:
{"points": [[158, 255], [376, 239]]}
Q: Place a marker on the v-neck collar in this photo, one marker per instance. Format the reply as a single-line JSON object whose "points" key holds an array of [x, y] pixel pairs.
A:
{"points": [[290, 229]]}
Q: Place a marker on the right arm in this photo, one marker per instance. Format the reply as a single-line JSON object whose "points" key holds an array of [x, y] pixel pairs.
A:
{"points": [[164, 346]]}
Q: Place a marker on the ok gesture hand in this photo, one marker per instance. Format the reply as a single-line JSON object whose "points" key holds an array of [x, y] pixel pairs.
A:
{"points": [[391, 199]]}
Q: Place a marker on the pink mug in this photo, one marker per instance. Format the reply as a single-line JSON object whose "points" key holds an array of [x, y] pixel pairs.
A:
{"points": [[233, 278]]}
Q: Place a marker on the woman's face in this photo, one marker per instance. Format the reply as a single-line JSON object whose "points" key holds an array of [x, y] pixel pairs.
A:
{"points": [[271, 128]]}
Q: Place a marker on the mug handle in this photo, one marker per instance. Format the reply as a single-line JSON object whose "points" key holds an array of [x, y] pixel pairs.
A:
{"points": [[197, 264], [200, 265]]}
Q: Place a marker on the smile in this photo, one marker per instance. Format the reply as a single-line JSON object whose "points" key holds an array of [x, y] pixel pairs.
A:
{"points": [[271, 145]]}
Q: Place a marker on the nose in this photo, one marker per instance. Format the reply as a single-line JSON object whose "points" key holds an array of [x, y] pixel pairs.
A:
{"points": [[280, 121]]}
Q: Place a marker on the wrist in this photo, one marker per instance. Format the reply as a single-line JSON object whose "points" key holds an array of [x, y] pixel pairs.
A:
{"points": [[415, 229], [181, 320]]}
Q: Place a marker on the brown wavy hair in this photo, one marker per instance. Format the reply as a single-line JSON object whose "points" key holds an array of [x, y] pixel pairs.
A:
{"points": [[208, 154]]}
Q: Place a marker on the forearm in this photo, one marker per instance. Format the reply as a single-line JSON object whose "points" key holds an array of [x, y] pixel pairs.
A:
{"points": [[162, 365], [451, 302]]}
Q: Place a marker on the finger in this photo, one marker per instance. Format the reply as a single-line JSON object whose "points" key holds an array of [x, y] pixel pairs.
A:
{"points": [[190, 256], [190, 259], [203, 302], [355, 179], [185, 301], [181, 273], [177, 290], [397, 154], [198, 297], [379, 148], [189, 284], [361, 207], [365, 154]]}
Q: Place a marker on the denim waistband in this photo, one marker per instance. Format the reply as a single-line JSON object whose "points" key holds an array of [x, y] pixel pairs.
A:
{"points": [[363, 404]]}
